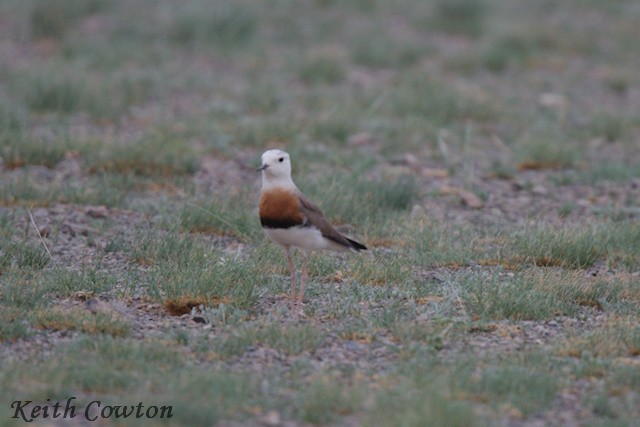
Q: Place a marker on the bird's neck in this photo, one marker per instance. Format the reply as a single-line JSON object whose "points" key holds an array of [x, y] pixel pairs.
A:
{"points": [[282, 182]]}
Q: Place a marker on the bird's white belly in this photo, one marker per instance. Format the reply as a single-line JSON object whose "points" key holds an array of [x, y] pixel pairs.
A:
{"points": [[307, 238]]}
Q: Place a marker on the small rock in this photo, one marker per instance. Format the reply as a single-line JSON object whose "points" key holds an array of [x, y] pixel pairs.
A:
{"points": [[406, 159], [271, 418], [553, 100], [435, 173], [360, 139], [68, 229], [98, 212], [45, 231], [92, 305], [353, 346], [518, 185], [539, 189], [470, 199], [207, 326], [514, 413]]}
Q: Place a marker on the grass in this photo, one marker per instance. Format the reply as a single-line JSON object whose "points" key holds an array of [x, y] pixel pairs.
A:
{"points": [[185, 273], [406, 409], [542, 294], [546, 150], [24, 255], [507, 50], [379, 271], [158, 153], [18, 151], [526, 390], [381, 51], [197, 26], [436, 245], [12, 326], [323, 402], [221, 215], [81, 320], [465, 17], [569, 247], [66, 89], [323, 67], [439, 103], [288, 340], [609, 127], [67, 93], [618, 337], [88, 280], [108, 189], [105, 366], [370, 201], [53, 19], [509, 313]]}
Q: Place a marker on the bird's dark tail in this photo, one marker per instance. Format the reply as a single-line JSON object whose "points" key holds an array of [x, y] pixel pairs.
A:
{"points": [[357, 246]]}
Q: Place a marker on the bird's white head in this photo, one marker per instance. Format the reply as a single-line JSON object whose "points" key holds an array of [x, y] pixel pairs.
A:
{"points": [[276, 169]]}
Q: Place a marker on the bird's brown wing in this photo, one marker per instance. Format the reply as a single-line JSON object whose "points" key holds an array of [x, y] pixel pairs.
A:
{"points": [[314, 217]]}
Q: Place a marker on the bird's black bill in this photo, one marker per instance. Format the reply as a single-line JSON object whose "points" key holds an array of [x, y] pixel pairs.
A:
{"points": [[261, 168]]}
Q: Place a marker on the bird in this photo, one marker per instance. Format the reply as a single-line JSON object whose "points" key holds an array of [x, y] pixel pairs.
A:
{"points": [[291, 220]]}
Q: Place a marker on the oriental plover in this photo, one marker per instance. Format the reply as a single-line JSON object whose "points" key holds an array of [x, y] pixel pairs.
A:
{"points": [[291, 220]]}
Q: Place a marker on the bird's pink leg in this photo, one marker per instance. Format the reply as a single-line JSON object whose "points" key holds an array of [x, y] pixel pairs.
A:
{"points": [[293, 277], [303, 282]]}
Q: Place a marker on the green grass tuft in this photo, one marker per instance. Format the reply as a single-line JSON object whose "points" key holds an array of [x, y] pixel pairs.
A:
{"points": [[227, 24], [54, 18], [27, 255], [290, 340], [158, 153], [12, 324], [379, 50], [569, 247], [185, 270], [104, 367], [81, 320], [410, 406], [535, 294], [546, 149], [421, 96], [18, 151], [60, 91], [466, 17], [322, 68], [349, 198], [232, 215], [324, 401], [507, 50], [528, 390]]}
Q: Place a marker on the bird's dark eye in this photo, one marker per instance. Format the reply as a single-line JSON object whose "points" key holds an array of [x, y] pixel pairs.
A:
{"points": [[281, 159]]}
